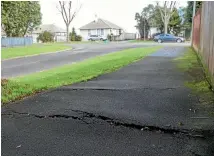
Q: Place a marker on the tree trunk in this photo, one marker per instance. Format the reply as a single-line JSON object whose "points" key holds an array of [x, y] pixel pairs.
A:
{"points": [[165, 27], [144, 32], [67, 32]]}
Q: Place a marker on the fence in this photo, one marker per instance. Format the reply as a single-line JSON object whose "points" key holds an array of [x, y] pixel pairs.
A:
{"points": [[125, 36], [203, 35], [16, 41]]}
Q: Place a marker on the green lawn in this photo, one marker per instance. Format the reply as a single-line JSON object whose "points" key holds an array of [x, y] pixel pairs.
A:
{"points": [[17, 88], [13, 52]]}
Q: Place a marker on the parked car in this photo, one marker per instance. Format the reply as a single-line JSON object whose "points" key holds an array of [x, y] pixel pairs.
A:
{"points": [[96, 38], [168, 38]]}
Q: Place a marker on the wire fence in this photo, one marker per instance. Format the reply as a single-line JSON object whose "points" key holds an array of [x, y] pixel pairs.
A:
{"points": [[203, 35]]}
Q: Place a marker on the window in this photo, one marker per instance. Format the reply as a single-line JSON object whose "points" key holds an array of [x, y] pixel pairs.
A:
{"points": [[98, 32], [89, 32], [120, 31], [102, 31]]}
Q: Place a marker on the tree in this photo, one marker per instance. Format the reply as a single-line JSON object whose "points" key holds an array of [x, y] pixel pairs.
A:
{"points": [[188, 16], [142, 20], [68, 14], [147, 14], [20, 17], [142, 25], [166, 12], [73, 35], [156, 20], [174, 25]]}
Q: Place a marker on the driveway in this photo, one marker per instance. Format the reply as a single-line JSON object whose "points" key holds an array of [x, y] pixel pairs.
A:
{"points": [[141, 109], [31, 64]]}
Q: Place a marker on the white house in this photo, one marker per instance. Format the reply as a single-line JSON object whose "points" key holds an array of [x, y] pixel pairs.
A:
{"points": [[100, 27], [59, 33]]}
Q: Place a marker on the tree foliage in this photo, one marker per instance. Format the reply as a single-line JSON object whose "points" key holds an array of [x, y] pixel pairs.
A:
{"points": [[46, 36], [153, 18], [188, 16], [143, 19], [20, 17], [174, 25], [141, 22], [166, 12], [74, 37]]}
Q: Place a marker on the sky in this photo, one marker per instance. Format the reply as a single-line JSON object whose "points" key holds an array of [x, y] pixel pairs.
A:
{"points": [[119, 12]]}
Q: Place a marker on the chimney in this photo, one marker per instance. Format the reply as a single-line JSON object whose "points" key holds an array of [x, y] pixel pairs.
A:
{"points": [[96, 18]]}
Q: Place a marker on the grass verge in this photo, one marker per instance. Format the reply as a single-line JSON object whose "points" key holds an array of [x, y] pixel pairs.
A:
{"points": [[13, 52], [17, 88], [189, 63], [141, 41]]}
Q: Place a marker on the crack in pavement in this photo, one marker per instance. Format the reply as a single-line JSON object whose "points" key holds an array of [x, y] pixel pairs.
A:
{"points": [[195, 133]]}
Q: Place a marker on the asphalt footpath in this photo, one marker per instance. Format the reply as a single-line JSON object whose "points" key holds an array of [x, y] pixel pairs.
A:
{"points": [[141, 109]]}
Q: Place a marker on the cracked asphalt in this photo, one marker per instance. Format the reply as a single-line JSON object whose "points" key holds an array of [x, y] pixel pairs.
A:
{"points": [[141, 109]]}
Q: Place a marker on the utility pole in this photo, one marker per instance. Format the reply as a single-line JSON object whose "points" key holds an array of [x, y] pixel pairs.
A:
{"points": [[193, 15], [144, 29]]}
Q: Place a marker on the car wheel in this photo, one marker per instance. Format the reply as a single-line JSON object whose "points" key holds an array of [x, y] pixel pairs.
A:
{"points": [[101, 39], [159, 41], [178, 41]]}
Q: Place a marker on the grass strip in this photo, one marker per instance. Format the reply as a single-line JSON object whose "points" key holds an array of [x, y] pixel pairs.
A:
{"points": [[34, 49], [198, 83], [17, 88]]}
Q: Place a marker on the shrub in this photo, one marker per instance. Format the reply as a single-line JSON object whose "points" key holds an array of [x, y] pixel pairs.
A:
{"points": [[110, 37], [45, 37], [74, 37], [78, 38]]}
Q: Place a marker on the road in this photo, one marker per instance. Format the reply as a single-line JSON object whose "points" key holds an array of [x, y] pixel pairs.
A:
{"points": [[27, 65], [141, 109]]}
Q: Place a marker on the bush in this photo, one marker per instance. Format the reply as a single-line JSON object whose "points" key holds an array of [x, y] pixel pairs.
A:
{"points": [[110, 37], [74, 37], [45, 37], [78, 38]]}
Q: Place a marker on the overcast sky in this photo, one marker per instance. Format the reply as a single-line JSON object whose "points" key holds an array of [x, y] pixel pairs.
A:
{"points": [[120, 12]]}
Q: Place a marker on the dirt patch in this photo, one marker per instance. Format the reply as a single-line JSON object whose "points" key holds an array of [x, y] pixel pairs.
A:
{"points": [[4, 82]]}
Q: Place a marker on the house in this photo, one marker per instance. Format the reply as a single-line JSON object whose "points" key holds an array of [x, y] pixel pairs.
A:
{"points": [[59, 33], [100, 27]]}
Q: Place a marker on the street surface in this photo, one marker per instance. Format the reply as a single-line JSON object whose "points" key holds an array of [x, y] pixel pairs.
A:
{"points": [[143, 109], [26, 65]]}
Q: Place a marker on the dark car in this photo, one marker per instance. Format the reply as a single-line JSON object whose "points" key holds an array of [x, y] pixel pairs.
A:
{"points": [[168, 38]]}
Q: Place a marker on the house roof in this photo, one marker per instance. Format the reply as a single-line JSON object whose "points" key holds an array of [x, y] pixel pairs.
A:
{"points": [[100, 24], [49, 27]]}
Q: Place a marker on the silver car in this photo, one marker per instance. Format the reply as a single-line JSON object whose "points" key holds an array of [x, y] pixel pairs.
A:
{"points": [[96, 38]]}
